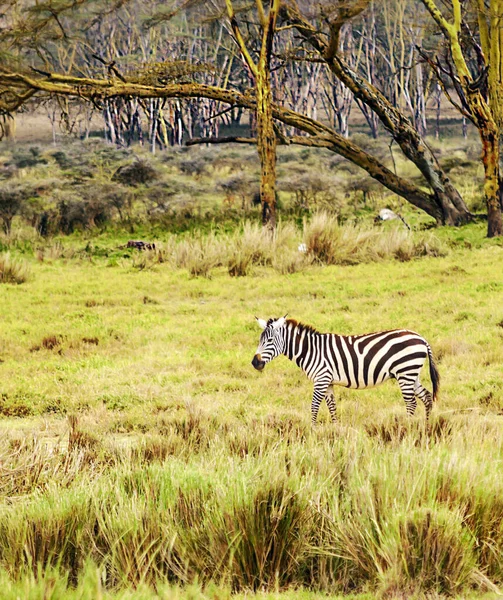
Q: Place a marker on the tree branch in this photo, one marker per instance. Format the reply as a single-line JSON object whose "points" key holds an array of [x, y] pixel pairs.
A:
{"points": [[322, 135], [239, 38], [230, 139]]}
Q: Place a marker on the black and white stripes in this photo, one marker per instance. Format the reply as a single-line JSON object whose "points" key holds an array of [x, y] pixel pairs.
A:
{"points": [[355, 361]]}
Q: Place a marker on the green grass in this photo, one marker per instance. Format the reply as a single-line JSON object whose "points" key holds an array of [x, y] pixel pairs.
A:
{"points": [[141, 456], [140, 451]]}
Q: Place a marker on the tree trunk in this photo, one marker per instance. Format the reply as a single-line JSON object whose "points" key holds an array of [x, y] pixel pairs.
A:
{"points": [[492, 182], [9, 126], [266, 136], [266, 145]]}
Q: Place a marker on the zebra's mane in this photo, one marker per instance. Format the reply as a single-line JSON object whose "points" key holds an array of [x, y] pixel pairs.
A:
{"points": [[301, 326]]}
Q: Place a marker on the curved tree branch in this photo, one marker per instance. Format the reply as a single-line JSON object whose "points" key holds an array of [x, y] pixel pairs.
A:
{"points": [[321, 135]]}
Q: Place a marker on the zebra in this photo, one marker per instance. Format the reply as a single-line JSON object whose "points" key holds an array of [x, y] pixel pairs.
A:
{"points": [[352, 361]]}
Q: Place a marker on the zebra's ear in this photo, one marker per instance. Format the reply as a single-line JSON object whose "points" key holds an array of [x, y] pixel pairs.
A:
{"points": [[279, 323], [261, 322]]}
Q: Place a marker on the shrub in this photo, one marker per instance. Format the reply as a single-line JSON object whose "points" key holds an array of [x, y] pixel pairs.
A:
{"points": [[160, 196], [195, 166], [136, 173], [63, 160], [313, 190], [12, 198], [239, 184], [28, 157], [86, 207]]}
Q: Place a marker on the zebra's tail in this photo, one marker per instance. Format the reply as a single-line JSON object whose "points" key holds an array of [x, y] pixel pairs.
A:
{"points": [[434, 374]]}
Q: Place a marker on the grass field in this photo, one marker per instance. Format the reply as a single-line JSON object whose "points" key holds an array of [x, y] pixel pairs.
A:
{"points": [[142, 456], [141, 453]]}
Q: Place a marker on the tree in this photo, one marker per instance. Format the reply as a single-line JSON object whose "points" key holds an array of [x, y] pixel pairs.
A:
{"points": [[446, 198], [480, 89], [261, 71]]}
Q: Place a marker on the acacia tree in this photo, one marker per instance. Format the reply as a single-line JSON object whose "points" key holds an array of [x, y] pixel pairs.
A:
{"points": [[445, 196], [266, 136], [480, 89]]}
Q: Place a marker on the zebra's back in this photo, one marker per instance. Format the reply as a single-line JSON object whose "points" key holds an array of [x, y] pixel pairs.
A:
{"points": [[363, 361]]}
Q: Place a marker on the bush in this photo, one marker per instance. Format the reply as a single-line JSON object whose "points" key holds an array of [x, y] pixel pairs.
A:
{"points": [[195, 166], [136, 173], [12, 198], [63, 160], [84, 207], [239, 184], [313, 190], [27, 158]]}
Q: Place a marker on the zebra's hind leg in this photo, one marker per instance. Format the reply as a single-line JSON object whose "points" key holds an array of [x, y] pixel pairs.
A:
{"points": [[407, 388], [320, 389], [330, 400], [425, 396]]}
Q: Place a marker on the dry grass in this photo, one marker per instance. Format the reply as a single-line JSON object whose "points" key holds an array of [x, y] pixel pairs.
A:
{"points": [[326, 243], [329, 243], [13, 270]]}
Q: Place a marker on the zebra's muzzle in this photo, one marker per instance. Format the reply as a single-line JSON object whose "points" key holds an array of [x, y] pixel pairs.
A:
{"points": [[258, 363]]}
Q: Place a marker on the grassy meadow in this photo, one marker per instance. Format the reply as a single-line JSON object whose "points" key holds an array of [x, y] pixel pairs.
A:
{"points": [[141, 455]]}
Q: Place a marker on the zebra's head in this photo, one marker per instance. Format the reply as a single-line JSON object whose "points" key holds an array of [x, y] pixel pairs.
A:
{"points": [[272, 341]]}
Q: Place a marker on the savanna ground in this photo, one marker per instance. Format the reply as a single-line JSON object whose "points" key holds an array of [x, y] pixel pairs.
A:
{"points": [[142, 456]]}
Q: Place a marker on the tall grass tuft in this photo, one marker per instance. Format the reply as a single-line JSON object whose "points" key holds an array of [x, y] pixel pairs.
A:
{"points": [[430, 552], [13, 270], [199, 254], [329, 243], [251, 246], [268, 536]]}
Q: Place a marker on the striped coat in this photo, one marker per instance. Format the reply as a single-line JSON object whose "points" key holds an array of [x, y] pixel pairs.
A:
{"points": [[355, 361]]}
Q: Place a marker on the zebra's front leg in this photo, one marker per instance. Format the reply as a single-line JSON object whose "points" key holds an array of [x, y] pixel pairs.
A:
{"points": [[330, 400], [320, 390]]}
